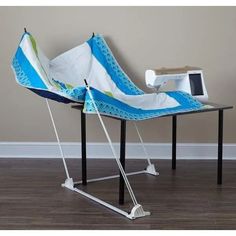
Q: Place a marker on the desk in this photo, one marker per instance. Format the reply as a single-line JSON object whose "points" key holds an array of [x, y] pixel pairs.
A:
{"points": [[211, 107]]}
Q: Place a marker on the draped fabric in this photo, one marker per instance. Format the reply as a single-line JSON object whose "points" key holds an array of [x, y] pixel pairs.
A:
{"points": [[62, 79]]}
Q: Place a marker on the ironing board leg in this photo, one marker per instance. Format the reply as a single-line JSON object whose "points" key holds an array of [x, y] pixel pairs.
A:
{"points": [[174, 128], [220, 147], [83, 148], [122, 160]]}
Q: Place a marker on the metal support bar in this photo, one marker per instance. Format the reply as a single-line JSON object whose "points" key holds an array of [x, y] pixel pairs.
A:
{"points": [[142, 143], [112, 177], [136, 212], [58, 140], [150, 169], [220, 147], [102, 202], [174, 129], [83, 148], [122, 160]]}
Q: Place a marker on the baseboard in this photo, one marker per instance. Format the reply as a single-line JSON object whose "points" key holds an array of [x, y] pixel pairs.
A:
{"points": [[102, 150]]}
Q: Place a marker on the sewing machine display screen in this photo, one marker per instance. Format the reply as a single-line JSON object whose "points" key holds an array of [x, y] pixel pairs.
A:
{"points": [[196, 84]]}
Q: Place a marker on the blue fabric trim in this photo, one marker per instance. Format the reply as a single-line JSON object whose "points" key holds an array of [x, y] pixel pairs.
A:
{"points": [[113, 107], [59, 83], [25, 73], [28, 77], [186, 100], [77, 93], [104, 55]]}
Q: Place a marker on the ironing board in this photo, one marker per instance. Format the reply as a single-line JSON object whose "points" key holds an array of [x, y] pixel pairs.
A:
{"points": [[90, 75]]}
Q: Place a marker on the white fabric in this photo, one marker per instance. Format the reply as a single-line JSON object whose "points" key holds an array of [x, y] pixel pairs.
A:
{"points": [[73, 66], [37, 63], [101, 80], [77, 64]]}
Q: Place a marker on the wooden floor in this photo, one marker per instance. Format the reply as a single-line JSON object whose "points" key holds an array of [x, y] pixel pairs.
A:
{"points": [[188, 198]]}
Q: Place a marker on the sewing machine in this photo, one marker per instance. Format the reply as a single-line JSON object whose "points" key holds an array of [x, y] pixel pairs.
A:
{"points": [[187, 79]]}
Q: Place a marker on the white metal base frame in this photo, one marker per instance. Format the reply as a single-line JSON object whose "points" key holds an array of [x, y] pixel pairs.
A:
{"points": [[149, 170], [136, 212]]}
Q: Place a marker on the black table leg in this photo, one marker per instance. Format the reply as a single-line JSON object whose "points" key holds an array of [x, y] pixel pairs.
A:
{"points": [[174, 128], [83, 148], [122, 160], [220, 147]]}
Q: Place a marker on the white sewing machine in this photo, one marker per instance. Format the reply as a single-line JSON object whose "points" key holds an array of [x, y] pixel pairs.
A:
{"points": [[187, 79]]}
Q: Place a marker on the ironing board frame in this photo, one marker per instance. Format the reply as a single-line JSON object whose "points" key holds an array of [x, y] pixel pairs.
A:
{"points": [[216, 108]]}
